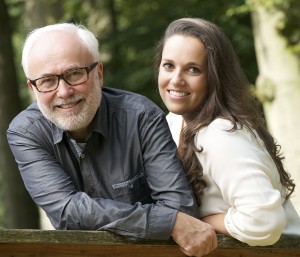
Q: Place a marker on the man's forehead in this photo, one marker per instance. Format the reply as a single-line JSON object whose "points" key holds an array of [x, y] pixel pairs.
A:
{"points": [[56, 53]]}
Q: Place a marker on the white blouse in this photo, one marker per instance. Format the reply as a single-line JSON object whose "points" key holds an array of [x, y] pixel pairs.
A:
{"points": [[242, 181]]}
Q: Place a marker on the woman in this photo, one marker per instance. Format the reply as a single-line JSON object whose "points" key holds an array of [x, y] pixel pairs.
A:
{"points": [[231, 160]]}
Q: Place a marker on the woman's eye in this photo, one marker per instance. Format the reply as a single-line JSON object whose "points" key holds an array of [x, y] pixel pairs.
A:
{"points": [[193, 70], [167, 66]]}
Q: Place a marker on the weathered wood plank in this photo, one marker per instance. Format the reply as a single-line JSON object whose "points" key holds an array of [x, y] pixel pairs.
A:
{"points": [[55, 243]]}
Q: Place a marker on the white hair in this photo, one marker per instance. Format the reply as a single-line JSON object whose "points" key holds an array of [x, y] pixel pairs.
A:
{"points": [[87, 37]]}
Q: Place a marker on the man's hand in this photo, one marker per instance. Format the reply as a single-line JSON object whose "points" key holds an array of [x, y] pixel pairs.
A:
{"points": [[194, 237]]}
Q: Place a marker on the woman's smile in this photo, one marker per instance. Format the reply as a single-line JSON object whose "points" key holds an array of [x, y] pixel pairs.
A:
{"points": [[177, 93]]}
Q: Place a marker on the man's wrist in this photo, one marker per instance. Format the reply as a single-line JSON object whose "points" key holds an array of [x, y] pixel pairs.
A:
{"points": [[161, 223]]}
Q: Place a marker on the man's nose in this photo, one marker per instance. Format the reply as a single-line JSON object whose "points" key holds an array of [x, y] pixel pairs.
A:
{"points": [[64, 89]]}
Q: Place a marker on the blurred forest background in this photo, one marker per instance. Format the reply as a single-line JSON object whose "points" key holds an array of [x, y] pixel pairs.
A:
{"points": [[265, 34]]}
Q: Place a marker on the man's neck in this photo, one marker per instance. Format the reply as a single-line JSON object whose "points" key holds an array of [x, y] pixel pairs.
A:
{"points": [[81, 135]]}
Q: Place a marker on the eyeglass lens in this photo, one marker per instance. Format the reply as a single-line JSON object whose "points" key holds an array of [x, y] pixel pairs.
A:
{"points": [[72, 77]]}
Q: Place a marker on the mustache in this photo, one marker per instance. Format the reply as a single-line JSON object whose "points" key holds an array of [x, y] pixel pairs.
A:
{"points": [[69, 100]]}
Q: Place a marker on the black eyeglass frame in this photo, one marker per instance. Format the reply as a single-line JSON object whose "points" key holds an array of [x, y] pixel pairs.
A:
{"points": [[88, 69]]}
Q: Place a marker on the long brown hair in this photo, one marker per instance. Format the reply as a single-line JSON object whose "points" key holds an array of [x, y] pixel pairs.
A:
{"points": [[228, 97]]}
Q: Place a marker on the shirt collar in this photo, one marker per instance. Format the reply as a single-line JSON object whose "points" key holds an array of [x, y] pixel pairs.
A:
{"points": [[100, 122]]}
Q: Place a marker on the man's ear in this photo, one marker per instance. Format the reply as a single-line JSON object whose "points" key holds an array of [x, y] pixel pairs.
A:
{"points": [[100, 72], [29, 85]]}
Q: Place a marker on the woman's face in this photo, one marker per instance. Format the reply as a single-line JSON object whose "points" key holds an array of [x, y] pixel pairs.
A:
{"points": [[182, 78]]}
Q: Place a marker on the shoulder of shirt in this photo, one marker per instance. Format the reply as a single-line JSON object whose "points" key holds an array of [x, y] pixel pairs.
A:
{"points": [[122, 99], [218, 135], [221, 124], [27, 118], [218, 124]]}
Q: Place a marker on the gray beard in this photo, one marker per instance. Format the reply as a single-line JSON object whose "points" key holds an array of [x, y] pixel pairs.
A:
{"points": [[73, 121]]}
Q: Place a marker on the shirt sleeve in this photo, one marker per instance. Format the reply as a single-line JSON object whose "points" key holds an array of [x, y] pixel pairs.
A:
{"points": [[53, 190], [164, 171], [248, 180]]}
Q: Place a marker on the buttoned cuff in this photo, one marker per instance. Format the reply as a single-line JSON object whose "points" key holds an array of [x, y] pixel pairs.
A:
{"points": [[161, 222]]}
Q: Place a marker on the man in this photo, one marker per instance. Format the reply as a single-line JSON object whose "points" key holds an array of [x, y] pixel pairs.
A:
{"points": [[96, 158]]}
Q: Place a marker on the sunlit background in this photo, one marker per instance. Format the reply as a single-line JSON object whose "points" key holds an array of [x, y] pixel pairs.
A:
{"points": [[265, 34]]}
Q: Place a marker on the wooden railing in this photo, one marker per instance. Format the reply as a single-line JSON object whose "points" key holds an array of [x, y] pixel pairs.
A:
{"points": [[55, 243]]}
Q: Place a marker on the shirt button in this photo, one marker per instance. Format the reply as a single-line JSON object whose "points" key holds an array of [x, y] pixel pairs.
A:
{"points": [[130, 185], [91, 191], [82, 156]]}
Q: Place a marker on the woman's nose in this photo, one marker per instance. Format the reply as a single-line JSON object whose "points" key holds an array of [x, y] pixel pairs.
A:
{"points": [[177, 78]]}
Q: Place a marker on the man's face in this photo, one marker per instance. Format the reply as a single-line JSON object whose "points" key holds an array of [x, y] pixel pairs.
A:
{"points": [[71, 108]]}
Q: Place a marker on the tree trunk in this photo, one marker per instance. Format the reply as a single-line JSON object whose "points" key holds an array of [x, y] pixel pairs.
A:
{"points": [[19, 209], [45, 12], [41, 13], [278, 86]]}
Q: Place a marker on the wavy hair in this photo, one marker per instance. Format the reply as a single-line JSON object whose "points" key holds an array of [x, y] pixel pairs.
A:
{"points": [[228, 97]]}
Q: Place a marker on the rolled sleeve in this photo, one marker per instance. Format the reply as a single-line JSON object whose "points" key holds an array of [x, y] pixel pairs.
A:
{"points": [[165, 174]]}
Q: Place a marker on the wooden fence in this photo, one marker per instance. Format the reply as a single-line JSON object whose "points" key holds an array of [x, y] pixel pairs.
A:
{"points": [[55, 243]]}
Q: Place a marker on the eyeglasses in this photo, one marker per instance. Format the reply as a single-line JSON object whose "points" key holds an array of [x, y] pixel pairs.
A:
{"points": [[72, 77]]}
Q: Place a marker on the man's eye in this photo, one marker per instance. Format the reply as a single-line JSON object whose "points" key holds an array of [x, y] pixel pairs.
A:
{"points": [[46, 81], [74, 74]]}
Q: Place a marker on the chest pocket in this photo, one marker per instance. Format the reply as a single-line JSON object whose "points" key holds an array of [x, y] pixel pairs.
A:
{"points": [[133, 190]]}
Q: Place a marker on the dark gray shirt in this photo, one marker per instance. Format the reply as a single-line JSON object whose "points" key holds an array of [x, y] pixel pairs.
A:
{"points": [[126, 178]]}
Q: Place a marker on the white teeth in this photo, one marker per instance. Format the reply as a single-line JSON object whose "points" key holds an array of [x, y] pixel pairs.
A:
{"points": [[176, 93], [62, 105], [67, 105]]}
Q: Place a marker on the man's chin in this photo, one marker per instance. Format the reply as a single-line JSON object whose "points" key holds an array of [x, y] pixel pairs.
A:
{"points": [[68, 125]]}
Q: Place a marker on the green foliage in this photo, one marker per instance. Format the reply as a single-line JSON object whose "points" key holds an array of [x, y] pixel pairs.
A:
{"points": [[1, 207], [290, 28], [16, 9], [128, 31], [141, 24]]}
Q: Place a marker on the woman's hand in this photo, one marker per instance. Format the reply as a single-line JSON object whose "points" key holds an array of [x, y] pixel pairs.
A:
{"points": [[217, 221]]}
